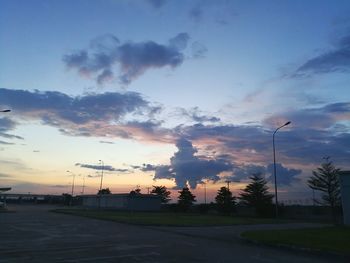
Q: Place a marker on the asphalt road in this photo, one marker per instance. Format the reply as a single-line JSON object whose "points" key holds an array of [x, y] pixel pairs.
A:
{"points": [[32, 234]]}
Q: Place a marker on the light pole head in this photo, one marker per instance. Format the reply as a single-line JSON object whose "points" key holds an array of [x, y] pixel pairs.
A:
{"points": [[5, 111], [287, 123]]}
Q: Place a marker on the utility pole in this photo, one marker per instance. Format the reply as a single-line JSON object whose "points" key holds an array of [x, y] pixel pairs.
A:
{"points": [[148, 190], [205, 193]]}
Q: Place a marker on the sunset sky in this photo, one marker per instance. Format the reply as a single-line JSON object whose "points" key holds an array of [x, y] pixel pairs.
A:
{"points": [[172, 92]]}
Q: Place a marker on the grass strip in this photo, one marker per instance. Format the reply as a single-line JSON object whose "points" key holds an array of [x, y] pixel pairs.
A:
{"points": [[327, 239]]}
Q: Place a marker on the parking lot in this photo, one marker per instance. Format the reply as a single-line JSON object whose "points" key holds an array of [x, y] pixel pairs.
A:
{"points": [[33, 234]]}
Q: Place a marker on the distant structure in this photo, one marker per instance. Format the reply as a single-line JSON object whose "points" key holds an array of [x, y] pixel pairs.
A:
{"points": [[345, 195], [130, 202], [4, 189]]}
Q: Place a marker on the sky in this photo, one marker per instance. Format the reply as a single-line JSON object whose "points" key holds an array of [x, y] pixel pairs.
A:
{"points": [[172, 92]]}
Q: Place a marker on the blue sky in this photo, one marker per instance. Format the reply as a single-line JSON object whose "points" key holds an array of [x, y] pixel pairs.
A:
{"points": [[171, 92]]}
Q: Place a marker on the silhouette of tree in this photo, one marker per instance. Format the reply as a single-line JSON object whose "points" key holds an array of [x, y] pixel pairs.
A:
{"points": [[225, 201], [163, 192], [186, 199], [256, 195], [326, 180], [104, 191]]}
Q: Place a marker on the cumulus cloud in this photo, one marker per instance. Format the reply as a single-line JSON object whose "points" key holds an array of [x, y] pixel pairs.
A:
{"points": [[132, 59], [187, 168], [100, 167], [305, 140], [334, 60]]}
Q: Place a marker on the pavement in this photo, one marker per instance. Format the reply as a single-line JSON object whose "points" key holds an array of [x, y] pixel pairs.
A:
{"points": [[33, 234]]}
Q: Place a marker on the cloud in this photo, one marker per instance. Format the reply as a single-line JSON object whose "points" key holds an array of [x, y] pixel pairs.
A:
{"points": [[314, 133], [4, 175], [7, 125], [101, 115], [285, 176], [315, 118], [59, 186], [6, 143], [243, 172], [196, 115], [106, 142], [198, 50], [133, 59], [187, 168], [335, 60], [100, 167]]}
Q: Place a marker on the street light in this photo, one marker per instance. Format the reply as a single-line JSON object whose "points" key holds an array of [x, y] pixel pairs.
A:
{"points": [[73, 181], [83, 188], [102, 167], [5, 110], [274, 165]]}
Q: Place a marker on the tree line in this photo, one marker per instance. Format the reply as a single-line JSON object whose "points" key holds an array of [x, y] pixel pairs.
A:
{"points": [[324, 179]]}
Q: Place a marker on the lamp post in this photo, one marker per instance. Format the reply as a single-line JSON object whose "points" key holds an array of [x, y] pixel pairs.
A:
{"points": [[102, 168], [5, 110], [83, 188], [73, 181], [274, 165]]}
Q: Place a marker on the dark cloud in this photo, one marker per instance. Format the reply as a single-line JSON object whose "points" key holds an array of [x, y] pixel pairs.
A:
{"points": [[313, 134], [7, 125], [132, 58], [315, 118], [243, 172], [285, 176], [187, 168], [88, 115], [335, 60], [148, 167], [99, 167], [6, 143]]}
